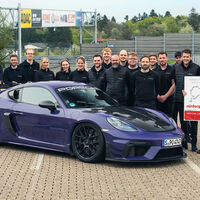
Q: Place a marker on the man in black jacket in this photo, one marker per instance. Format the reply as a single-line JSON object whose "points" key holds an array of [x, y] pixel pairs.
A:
{"points": [[185, 68], [116, 80], [29, 66], [96, 72], [144, 85], [13, 75]]}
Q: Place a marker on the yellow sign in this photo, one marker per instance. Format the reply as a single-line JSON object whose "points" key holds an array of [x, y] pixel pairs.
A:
{"points": [[26, 18]]}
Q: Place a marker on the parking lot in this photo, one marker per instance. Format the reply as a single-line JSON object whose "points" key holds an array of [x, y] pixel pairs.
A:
{"points": [[27, 173]]}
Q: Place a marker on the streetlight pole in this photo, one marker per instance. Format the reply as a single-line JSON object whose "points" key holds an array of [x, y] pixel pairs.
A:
{"points": [[19, 33]]}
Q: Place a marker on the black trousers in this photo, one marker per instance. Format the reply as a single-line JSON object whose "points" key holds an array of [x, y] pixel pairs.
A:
{"points": [[186, 126], [165, 107], [146, 104]]}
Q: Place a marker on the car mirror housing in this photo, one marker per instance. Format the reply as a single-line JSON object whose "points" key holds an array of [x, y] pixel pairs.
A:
{"points": [[48, 104], [14, 95]]}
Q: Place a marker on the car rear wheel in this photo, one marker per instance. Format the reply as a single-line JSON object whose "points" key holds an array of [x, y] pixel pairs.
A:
{"points": [[88, 143]]}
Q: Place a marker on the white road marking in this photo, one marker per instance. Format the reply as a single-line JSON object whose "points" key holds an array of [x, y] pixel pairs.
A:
{"points": [[31, 189], [193, 165], [35, 167], [37, 161]]}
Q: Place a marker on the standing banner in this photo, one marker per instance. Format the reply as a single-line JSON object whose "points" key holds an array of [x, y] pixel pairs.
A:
{"points": [[26, 18], [78, 18], [33, 18], [52, 18], [36, 18], [192, 98]]}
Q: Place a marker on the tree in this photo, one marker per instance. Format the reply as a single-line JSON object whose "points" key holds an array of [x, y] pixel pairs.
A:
{"points": [[125, 31], [126, 18], [153, 13], [134, 19], [167, 14], [187, 29], [102, 22], [62, 36], [113, 19], [194, 19], [145, 15], [6, 36]]}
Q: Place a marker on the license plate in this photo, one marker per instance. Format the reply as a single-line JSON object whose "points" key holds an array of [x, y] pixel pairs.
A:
{"points": [[171, 142]]}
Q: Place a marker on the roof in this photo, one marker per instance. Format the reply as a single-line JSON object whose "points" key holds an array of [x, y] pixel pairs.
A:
{"points": [[54, 84]]}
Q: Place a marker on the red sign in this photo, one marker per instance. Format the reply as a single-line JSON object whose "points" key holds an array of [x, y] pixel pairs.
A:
{"points": [[192, 115]]}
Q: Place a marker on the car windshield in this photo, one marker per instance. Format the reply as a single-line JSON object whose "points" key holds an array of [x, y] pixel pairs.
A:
{"points": [[85, 97]]}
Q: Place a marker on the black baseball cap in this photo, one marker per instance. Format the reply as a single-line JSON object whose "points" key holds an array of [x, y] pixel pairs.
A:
{"points": [[177, 54]]}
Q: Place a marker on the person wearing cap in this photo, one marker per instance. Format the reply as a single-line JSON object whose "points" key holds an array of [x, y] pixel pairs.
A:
{"points": [[178, 58]]}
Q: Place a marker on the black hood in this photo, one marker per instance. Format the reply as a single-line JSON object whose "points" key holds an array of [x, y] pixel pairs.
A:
{"points": [[143, 119]]}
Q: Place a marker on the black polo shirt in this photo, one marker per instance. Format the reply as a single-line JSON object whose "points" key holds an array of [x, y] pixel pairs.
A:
{"points": [[44, 75], [63, 76], [165, 80], [79, 76]]}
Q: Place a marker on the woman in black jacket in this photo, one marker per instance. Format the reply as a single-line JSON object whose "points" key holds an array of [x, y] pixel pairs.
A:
{"points": [[64, 72], [80, 74], [44, 74]]}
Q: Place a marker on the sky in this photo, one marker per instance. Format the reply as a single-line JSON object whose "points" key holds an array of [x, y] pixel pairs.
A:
{"points": [[117, 8]]}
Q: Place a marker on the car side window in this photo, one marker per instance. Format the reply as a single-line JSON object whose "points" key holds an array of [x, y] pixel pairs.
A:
{"points": [[35, 95]]}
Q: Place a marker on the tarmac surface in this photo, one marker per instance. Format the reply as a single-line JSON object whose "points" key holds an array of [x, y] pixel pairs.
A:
{"points": [[35, 174]]}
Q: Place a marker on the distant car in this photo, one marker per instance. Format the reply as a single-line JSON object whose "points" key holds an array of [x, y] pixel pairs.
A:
{"points": [[80, 119]]}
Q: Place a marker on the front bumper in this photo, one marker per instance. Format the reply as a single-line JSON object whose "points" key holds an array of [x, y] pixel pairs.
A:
{"points": [[142, 151]]}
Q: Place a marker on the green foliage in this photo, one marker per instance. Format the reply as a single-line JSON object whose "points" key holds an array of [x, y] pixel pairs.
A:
{"points": [[6, 36], [153, 13], [194, 20], [171, 24], [167, 14]]}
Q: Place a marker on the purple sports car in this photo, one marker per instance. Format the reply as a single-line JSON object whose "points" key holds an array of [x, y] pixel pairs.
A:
{"points": [[80, 119]]}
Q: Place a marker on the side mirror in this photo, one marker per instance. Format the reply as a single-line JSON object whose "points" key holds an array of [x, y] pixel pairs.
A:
{"points": [[48, 104], [14, 95]]}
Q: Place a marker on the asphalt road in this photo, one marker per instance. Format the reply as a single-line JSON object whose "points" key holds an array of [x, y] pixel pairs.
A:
{"points": [[27, 173]]}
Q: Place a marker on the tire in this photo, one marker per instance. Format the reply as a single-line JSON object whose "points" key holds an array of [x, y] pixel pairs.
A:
{"points": [[88, 143]]}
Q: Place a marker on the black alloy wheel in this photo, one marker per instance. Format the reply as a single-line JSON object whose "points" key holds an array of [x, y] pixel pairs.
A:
{"points": [[88, 143]]}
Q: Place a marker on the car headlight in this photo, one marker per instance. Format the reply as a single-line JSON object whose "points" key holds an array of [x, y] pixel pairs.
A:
{"points": [[173, 122], [121, 125]]}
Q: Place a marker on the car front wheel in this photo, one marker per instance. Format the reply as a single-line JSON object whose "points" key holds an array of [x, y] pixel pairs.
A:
{"points": [[88, 143]]}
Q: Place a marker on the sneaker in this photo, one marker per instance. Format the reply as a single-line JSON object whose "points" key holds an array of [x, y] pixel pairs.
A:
{"points": [[198, 151], [194, 148]]}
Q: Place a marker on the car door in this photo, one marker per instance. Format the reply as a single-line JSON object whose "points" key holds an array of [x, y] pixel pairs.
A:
{"points": [[36, 124]]}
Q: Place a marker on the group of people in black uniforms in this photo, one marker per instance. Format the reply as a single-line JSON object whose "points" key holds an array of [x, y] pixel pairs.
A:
{"points": [[133, 83]]}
